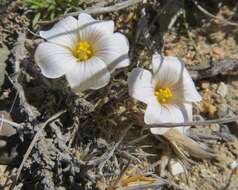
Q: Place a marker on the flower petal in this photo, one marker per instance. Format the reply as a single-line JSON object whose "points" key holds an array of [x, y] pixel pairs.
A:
{"points": [[185, 90], [54, 60], [91, 74], [190, 92], [157, 60], [113, 50], [157, 114], [140, 86], [189, 110], [64, 32], [167, 70], [95, 30], [84, 19]]}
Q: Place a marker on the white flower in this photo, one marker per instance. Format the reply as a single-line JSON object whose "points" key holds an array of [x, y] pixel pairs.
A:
{"points": [[84, 50], [168, 92]]}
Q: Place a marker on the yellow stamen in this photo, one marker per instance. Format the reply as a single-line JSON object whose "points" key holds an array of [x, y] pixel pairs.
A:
{"points": [[83, 51], [163, 95]]}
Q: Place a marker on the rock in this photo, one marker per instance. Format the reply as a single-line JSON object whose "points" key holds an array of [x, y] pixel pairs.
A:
{"points": [[205, 173], [3, 176], [233, 165], [222, 89], [215, 127], [218, 53], [222, 110], [205, 85], [10, 142], [4, 52], [209, 108], [175, 168], [213, 86]]}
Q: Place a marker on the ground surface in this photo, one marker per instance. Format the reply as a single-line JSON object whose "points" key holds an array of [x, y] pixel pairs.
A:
{"points": [[97, 139]]}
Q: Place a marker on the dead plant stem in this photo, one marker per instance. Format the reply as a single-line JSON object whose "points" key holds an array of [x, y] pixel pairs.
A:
{"points": [[34, 141], [97, 10], [207, 122]]}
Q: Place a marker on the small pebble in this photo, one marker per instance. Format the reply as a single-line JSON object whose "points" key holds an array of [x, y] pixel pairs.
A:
{"points": [[222, 110], [205, 85], [214, 86], [176, 168], [215, 127], [233, 165], [222, 89]]}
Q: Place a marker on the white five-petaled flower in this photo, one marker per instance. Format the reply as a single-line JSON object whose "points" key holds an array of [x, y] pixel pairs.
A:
{"points": [[168, 92], [84, 50]]}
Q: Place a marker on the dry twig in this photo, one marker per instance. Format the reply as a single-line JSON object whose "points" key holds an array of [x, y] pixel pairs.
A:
{"points": [[34, 141], [10, 122], [108, 155], [97, 10], [213, 16], [207, 122], [223, 67], [155, 185], [20, 53]]}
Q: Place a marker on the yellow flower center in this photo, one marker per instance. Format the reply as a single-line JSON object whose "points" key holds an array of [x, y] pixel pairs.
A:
{"points": [[83, 51], [163, 95]]}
